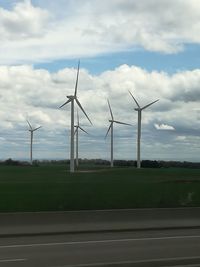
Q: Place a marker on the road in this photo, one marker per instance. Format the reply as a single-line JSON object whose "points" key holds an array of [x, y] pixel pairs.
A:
{"points": [[97, 220], [135, 248]]}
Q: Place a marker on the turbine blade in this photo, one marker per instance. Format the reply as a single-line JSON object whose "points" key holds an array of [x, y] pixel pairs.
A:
{"points": [[29, 125], [110, 110], [134, 99], [119, 122], [76, 85], [79, 104], [77, 118], [149, 104], [82, 130], [37, 128], [108, 130], [69, 100]]}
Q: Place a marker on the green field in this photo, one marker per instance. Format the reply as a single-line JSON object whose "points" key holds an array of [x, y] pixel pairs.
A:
{"points": [[52, 188]]}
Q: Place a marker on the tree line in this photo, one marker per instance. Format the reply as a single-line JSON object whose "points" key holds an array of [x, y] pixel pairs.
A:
{"points": [[103, 162]]}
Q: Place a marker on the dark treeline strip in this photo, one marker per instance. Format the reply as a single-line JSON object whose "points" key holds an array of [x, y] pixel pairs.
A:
{"points": [[102, 162]]}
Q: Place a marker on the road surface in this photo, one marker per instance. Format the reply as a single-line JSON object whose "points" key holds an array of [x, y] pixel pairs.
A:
{"points": [[135, 248], [99, 220]]}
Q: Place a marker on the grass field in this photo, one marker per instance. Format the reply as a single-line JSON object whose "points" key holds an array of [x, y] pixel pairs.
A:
{"points": [[52, 188]]}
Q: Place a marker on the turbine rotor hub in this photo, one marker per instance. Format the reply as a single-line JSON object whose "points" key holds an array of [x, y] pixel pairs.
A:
{"points": [[71, 96]]}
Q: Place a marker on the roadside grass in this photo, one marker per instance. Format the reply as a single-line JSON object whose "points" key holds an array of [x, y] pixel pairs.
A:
{"points": [[54, 188]]}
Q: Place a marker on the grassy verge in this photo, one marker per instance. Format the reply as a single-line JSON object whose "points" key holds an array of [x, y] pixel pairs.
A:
{"points": [[51, 188]]}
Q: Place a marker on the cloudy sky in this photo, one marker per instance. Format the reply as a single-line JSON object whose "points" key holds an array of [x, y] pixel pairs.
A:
{"points": [[149, 47]]}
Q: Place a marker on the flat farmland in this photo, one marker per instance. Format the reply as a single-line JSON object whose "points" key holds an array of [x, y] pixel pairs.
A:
{"points": [[54, 188]]}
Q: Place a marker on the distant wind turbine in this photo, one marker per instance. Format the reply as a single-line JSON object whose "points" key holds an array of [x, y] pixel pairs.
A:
{"points": [[76, 133], [31, 130], [139, 110], [110, 128], [71, 99]]}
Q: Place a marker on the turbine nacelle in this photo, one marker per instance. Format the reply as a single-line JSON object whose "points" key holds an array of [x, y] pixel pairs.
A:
{"points": [[138, 106], [31, 128], [71, 97], [79, 127]]}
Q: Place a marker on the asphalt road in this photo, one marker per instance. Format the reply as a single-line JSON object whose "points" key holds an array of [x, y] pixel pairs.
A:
{"points": [[101, 220], [136, 248]]}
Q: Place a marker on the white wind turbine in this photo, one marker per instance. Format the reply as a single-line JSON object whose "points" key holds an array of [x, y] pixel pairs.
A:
{"points": [[76, 132], [71, 99], [139, 110], [31, 130], [110, 128]]}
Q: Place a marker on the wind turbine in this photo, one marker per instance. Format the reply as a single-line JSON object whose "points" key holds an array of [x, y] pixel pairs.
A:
{"points": [[31, 130], [76, 132], [110, 128], [71, 99], [139, 110]]}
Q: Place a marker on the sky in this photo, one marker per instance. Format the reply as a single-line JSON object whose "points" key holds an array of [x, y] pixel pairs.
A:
{"points": [[148, 47]]}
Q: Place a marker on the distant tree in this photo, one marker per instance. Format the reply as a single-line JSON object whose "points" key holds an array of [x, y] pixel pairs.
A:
{"points": [[11, 162], [150, 164]]}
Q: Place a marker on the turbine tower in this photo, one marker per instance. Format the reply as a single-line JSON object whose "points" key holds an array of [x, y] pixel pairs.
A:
{"points": [[110, 128], [139, 110], [76, 132], [31, 130], [71, 99]]}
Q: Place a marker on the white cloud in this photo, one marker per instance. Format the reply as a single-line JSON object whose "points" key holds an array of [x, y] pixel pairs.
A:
{"points": [[56, 30], [181, 138], [23, 22], [164, 127], [36, 94]]}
